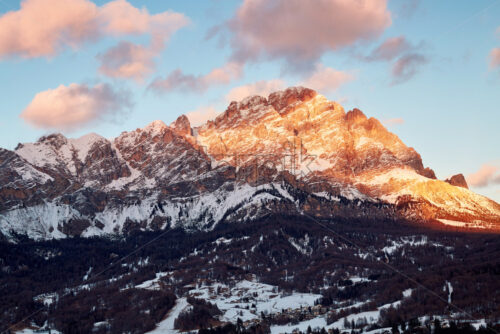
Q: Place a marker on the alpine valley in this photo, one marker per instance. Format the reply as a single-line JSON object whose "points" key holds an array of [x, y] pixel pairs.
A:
{"points": [[285, 213]]}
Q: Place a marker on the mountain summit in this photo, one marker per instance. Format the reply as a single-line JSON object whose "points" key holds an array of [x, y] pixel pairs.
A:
{"points": [[292, 153]]}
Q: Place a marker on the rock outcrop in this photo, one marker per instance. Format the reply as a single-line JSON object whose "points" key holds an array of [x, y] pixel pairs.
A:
{"points": [[458, 180], [292, 152]]}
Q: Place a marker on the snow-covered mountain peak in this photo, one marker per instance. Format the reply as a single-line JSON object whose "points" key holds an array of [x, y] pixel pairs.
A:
{"points": [[56, 150], [85, 143], [55, 139], [155, 127], [292, 152]]}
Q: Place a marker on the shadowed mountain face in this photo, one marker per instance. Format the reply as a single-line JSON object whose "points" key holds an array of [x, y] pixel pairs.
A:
{"points": [[292, 153]]}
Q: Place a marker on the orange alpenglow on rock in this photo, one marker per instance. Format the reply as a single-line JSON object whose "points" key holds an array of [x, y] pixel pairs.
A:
{"points": [[292, 152]]}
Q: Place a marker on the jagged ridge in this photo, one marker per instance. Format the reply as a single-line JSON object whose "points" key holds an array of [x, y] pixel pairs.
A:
{"points": [[292, 152]]}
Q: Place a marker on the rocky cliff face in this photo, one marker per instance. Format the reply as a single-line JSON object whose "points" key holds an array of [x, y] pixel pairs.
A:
{"points": [[293, 152], [458, 180]]}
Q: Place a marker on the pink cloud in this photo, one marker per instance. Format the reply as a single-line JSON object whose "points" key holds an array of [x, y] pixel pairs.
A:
{"points": [[486, 175], [393, 121], [262, 88], [495, 58], [201, 115], [301, 31], [177, 80], [120, 17], [326, 79], [70, 107], [390, 49], [127, 60], [131, 61], [41, 28], [407, 67], [323, 79]]}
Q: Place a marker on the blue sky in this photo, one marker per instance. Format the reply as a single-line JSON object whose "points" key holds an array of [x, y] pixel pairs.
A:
{"points": [[446, 104]]}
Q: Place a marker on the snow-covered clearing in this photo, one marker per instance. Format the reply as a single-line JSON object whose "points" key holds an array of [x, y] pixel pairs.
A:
{"points": [[167, 325], [247, 299]]}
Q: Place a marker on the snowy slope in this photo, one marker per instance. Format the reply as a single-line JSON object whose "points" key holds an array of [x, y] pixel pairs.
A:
{"points": [[293, 152]]}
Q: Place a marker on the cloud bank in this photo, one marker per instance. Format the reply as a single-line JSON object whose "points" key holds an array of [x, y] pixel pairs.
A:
{"points": [[302, 31], [42, 28], [323, 79], [179, 81], [68, 108], [132, 61], [486, 175]]}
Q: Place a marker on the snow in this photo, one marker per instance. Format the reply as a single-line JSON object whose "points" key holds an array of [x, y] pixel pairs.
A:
{"points": [[34, 330], [411, 241], [47, 298], [453, 222], [153, 284], [320, 321], [301, 245], [87, 274], [103, 324], [38, 154], [282, 191], [380, 331], [167, 326], [352, 193], [453, 200], [479, 323], [223, 241], [155, 127], [37, 222], [407, 293], [42, 221], [120, 183], [29, 173], [356, 279], [237, 301], [83, 144], [318, 144], [371, 316], [294, 301], [398, 174], [44, 154], [448, 287], [327, 195], [316, 323]]}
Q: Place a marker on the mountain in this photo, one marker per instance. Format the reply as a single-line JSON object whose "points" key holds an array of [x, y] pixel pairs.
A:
{"points": [[282, 214], [293, 153]]}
